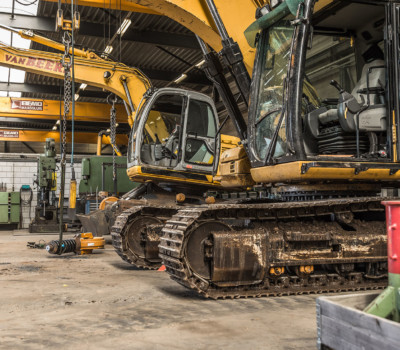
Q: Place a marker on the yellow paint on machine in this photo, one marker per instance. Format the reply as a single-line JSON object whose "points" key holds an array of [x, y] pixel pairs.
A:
{"points": [[292, 172]]}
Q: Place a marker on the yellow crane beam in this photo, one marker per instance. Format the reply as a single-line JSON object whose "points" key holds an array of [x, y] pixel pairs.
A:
{"points": [[31, 108], [40, 136], [96, 72]]}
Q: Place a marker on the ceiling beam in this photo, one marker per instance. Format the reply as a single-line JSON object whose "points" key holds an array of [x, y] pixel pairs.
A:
{"points": [[153, 74], [112, 5], [31, 88], [163, 75], [40, 136], [46, 24], [43, 109], [43, 124]]}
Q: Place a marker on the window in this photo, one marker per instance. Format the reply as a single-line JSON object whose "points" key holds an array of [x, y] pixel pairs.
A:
{"points": [[201, 131], [162, 132], [275, 59]]}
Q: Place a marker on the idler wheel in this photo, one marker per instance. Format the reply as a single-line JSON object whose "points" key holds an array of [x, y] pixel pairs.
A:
{"points": [[135, 238], [198, 247]]}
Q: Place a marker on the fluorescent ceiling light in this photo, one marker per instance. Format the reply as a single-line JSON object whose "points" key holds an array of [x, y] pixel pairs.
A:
{"points": [[181, 78], [108, 49], [76, 97], [83, 86], [199, 64], [124, 26]]}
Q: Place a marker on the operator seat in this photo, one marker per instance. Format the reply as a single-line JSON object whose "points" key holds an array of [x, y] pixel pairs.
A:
{"points": [[367, 99], [376, 80], [372, 111]]}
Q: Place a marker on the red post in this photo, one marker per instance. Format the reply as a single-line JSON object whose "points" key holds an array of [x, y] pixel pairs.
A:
{"points": [[393, 232]]}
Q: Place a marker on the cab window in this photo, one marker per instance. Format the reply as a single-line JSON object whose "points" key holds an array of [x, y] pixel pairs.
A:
{"points": [[201, 131], [162, 132]]}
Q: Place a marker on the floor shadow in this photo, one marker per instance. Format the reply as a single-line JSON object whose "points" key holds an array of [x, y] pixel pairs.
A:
{"points": [[126, 266], [67, 256], [181, 292]]}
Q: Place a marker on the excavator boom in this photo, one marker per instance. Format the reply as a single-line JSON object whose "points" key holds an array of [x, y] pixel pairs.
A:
{"points": [[128, 83], [196, 16]]}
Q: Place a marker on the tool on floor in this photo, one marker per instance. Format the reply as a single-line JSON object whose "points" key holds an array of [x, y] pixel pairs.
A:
{"points": [[41, 244], [83, 243]]}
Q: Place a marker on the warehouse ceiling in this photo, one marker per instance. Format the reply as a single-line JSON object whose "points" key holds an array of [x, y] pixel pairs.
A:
{"points": [[162, 48]]}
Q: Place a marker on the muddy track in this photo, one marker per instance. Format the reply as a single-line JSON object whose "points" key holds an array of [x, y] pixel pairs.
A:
{"points": [[177, 230], [120, 232]]}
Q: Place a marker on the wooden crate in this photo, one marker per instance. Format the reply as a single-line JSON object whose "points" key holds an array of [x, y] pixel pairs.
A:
{"points": [[341, 325]]}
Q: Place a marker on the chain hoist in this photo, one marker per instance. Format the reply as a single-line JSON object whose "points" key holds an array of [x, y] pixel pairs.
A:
{"points": [[66, 63], [113, 132]]}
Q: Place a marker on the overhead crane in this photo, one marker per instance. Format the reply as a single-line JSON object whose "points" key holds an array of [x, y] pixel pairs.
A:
{"points": [[32, 108], [41, 136], [39, 110]]}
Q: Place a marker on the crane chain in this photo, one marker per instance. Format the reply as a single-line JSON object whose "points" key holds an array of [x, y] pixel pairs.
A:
{"points": [[66, 63], [112, 99], [113, 123]]}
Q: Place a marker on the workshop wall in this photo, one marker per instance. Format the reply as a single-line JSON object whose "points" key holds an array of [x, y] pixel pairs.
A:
{"points": [[17, 172]]}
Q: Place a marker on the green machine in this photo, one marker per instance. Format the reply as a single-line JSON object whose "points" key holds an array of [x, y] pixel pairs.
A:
{"points": [[97, 176], [95, 185], [46, 218], [9, 208]]}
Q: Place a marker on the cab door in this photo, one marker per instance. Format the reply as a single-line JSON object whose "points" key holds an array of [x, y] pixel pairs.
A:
{"points": [[175, 138], [393, 49], [200, 146]]}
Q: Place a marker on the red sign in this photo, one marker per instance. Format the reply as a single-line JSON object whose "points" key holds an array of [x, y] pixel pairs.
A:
{"points": [[49, 65], [9, 133], [27, 105]]}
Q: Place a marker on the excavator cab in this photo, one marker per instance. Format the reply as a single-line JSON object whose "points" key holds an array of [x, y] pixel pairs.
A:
{"points": [[174, 138], [324, 102]]}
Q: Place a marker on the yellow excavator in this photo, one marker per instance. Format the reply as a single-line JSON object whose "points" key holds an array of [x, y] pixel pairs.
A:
{"points": [[301, 213], [175, 132], [319, 153], [170, 113]]}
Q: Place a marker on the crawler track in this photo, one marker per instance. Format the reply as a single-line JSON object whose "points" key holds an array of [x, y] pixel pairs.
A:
{"points": [[177, 232], [129, 247]]}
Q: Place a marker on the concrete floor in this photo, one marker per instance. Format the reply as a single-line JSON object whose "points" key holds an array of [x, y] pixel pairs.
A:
{"points": [[101, 302]]}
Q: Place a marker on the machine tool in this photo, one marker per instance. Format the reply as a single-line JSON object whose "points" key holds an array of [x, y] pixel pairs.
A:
{"points": [[46, 211]]}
